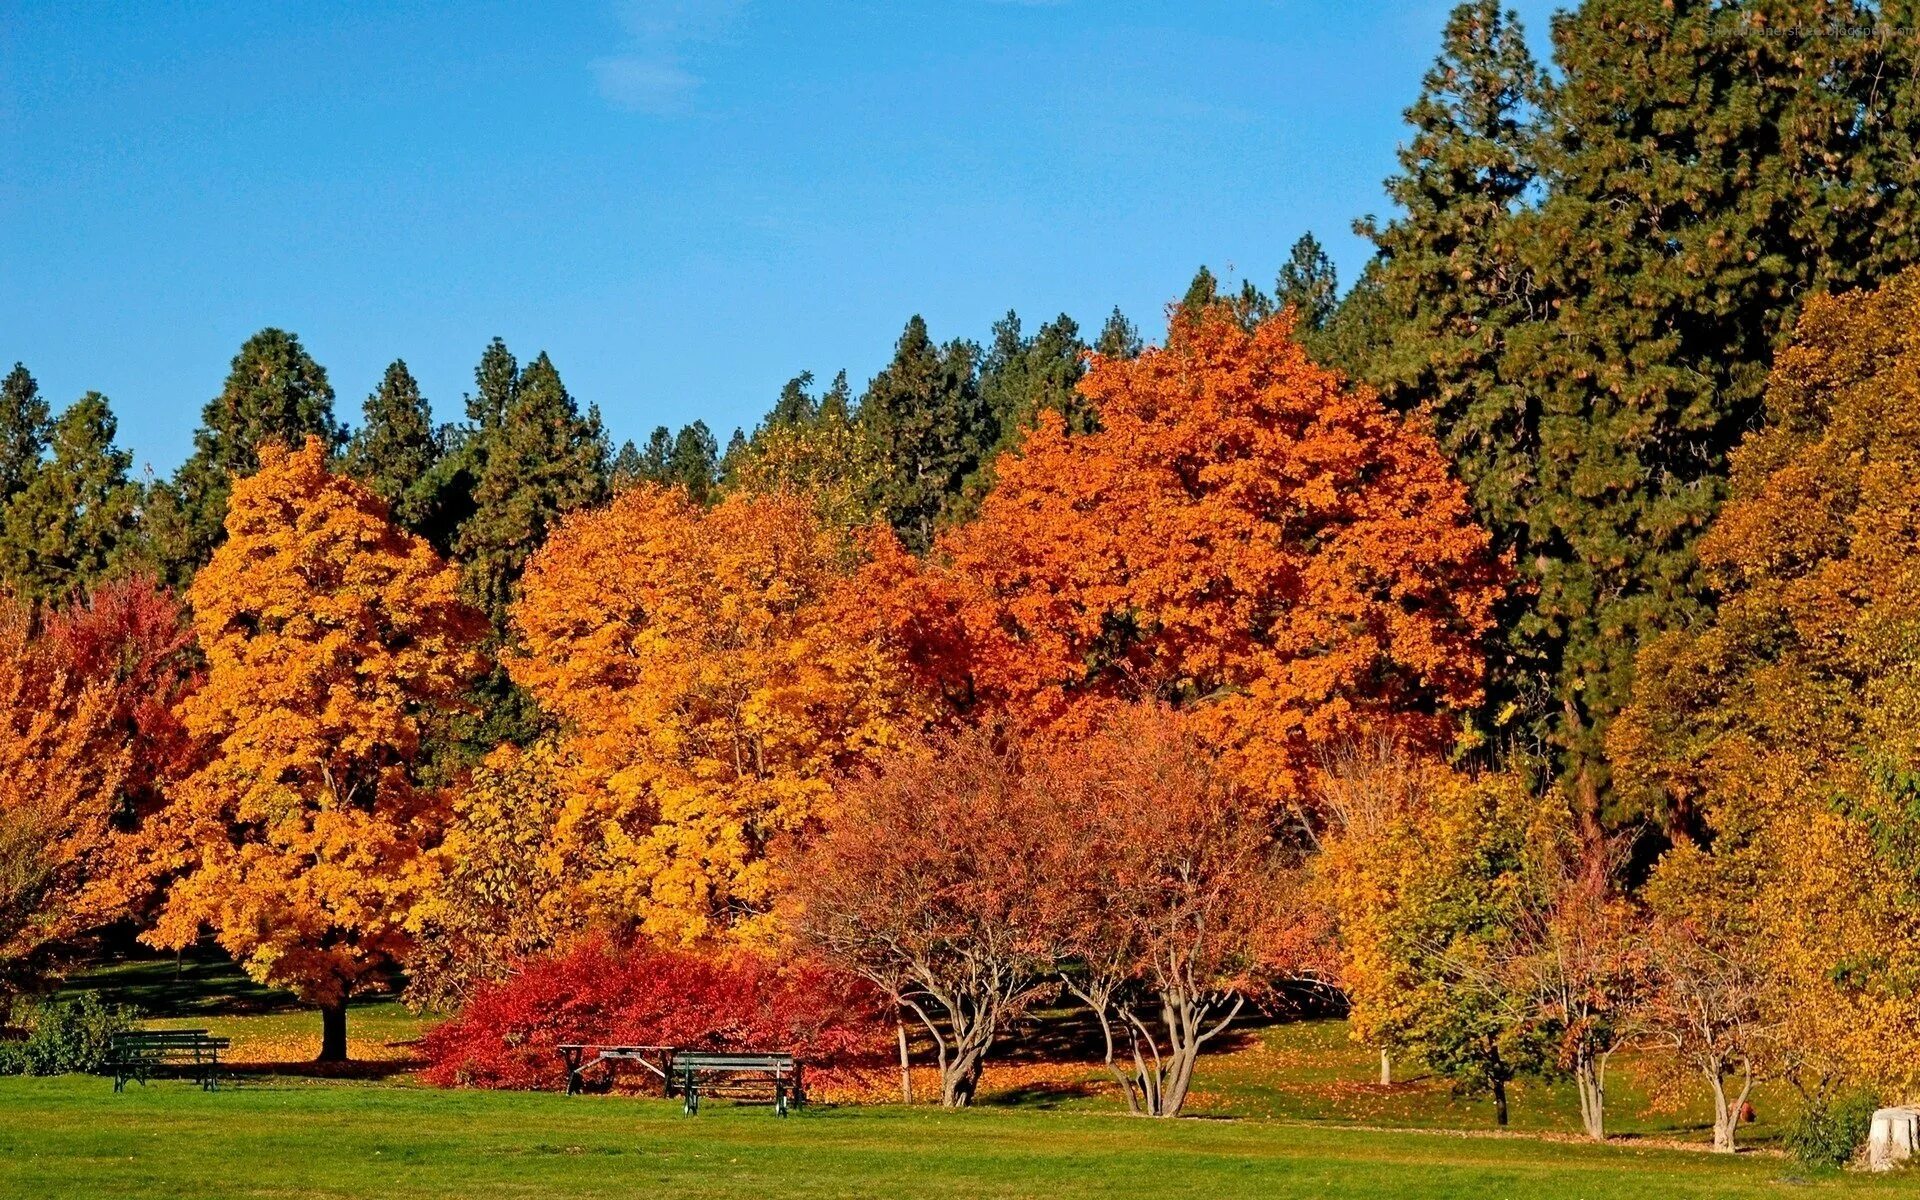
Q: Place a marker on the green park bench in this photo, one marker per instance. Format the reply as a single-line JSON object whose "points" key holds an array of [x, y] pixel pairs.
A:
{"points": [[694, 1071], [690, 1068], [189, 1053]]}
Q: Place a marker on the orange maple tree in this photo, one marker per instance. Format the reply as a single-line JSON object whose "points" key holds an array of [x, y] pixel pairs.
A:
{"points": [[1246, 534], [331, 638], [710, 672]]}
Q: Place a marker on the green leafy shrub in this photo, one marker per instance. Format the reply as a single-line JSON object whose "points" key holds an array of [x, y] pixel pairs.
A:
{"points": [[1829, 1130], [65, 1036]]}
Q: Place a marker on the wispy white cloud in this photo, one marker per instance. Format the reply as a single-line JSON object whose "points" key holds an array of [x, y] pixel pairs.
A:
{"points": [[650, 71]]}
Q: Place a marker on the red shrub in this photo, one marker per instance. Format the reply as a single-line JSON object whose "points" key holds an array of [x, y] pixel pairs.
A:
{"points": [[504, 1037]]}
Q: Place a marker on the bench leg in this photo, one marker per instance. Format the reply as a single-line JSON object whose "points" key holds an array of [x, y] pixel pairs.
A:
{"points": [[692, 1094]]}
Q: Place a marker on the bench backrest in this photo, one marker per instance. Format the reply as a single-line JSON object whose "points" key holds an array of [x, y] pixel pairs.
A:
{"points": [[704, 1060], [163, 1039]]}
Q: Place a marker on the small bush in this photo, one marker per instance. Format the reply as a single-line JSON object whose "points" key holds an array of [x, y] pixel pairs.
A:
{"points": [[65, 1036], [505, 1034], [1829, 1130]]}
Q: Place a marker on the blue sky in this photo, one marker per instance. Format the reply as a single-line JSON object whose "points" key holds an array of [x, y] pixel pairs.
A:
{"points": [[684, 203]]}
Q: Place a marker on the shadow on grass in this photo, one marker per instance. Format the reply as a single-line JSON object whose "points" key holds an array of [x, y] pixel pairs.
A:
{"points": [[201, 982]]}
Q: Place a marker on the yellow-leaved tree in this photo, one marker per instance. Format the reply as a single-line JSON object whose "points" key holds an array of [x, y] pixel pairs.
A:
{"points": [[1782, 733], [332, 637], [712, 670]]}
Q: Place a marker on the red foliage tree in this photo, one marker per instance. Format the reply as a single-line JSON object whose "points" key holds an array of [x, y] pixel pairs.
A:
{"points": [[930, 882], [1175, 899], [595, 992], [131, 636]]}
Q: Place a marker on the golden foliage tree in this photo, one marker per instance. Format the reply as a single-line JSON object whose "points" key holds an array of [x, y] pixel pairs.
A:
{"points": [[331, 639], [1784, 728], [502, 888], [711, 671]]}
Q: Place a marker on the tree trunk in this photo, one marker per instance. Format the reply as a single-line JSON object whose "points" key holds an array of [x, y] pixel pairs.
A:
{"points": [[1591, 1084], [906, 1068], [1725, 1116], [333, 1032], [960, 1078], [1727, 1110], [1386, 1069], [1500, 1103]]}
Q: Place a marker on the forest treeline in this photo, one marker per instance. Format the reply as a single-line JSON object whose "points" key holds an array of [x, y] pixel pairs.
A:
{"points": [[1529, 622]]}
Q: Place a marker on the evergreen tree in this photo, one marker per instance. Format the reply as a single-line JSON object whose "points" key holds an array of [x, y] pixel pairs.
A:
{"points": [[23, 429], [1118, 337], [496, 382], [1707, 165], [628, 467], [836, 403], [533, 458], [734, 455], [274, 392], [73, 522], [1249, 305], [1310, 284], [1429, 321], [930, 427], [657, 461], [397, 448], [1021, 377], [694, 463], [795, 405]]}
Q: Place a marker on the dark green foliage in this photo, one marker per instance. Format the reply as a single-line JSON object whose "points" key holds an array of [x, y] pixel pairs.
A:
{"points": [[1249, 305], [531, 457], [1829, 1130], [1309, 283], [274, 392], [74, 520], [23, 429], [628, 468], [397, 449], [1020, 378], [1587, 282], [65, 1036], [1118, 337], [931, 429], [1680, 228], [694, 463]]}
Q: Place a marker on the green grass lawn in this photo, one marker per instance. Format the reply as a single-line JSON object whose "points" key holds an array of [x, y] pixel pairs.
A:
{"points": [[1288, 1109], [286, 1138]]}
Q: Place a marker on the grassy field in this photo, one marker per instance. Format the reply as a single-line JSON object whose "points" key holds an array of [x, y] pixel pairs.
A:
{"points": [[283, 1138], [1287, 1110]]}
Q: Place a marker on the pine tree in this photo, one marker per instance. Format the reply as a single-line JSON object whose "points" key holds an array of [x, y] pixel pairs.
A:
{"points": [[1428, 323], [23, 429], [533, 458], [694, 463], [628, 467], [1021, 377], [1249, 305], [657, 460], [397, 448], [795, 405], [931, 428], [275, 393], [1707, 165], [1118, 337], [74, 521], [1310, 284]]}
